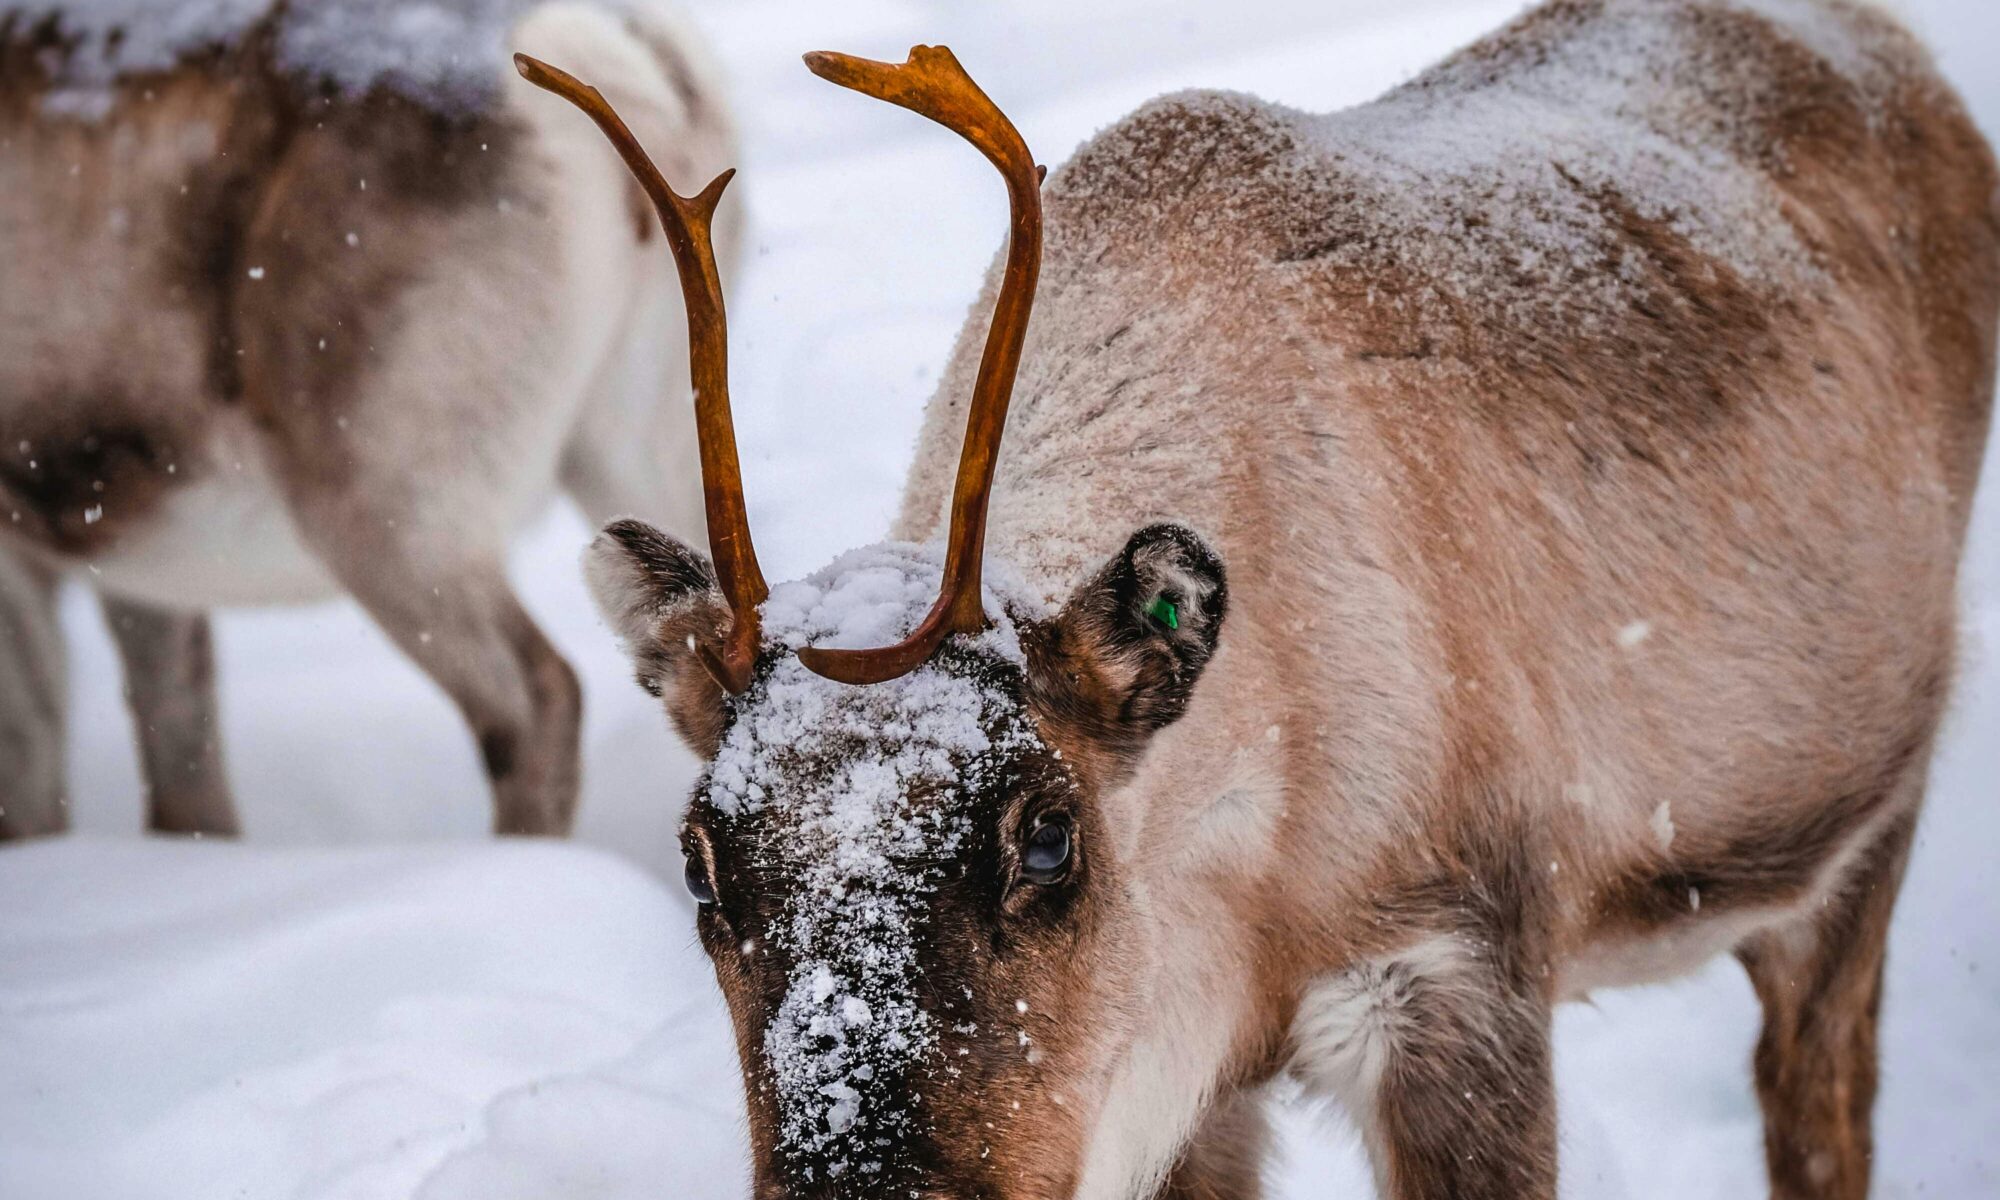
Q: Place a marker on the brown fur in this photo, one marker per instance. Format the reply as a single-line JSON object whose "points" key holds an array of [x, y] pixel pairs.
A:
{"points": [[1590, 610], [1821, 988], [1225, 1161], [1442, 500]]}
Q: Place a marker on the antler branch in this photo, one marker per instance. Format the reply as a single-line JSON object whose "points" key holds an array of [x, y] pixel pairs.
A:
{"points": [[687, 220], [933, 84]]}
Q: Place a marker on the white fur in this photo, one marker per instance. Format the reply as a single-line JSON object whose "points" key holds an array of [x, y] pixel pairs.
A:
{"points": [[1350, 1023], [226, 540], [1160, 1087], [1235, 832]]}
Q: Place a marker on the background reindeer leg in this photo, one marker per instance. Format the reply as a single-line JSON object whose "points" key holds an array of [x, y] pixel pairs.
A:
{"points": [[428, 562], [1821, 986], [33, 700], [450, 608], [414, 418], [169, 662], [425, 553]]}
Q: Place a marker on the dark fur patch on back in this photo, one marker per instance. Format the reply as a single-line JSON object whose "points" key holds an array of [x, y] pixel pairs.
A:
{"points": [[347, 220], [263, 246], [218, 202], [29, 45]]}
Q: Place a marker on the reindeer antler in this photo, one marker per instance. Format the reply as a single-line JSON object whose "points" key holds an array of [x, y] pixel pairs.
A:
{"points": [[686, 220], [933, 84]]}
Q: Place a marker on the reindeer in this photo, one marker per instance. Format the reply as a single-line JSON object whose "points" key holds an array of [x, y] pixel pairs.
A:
{"points": [[279, 321], [1589, 428]]}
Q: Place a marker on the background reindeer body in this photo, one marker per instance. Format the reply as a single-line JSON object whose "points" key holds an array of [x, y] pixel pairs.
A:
{"points": [[1589, 427], [338, 312]]}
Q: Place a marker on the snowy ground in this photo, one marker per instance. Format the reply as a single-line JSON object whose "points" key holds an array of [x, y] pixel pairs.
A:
{"points": [[369, 1002]]}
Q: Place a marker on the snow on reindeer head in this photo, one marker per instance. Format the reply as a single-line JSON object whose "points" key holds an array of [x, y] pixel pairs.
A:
{"points": [[901, 865]]}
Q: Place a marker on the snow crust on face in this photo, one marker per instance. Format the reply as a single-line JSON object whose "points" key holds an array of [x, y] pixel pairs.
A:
{"points": [[847, 794], [448, 54]]}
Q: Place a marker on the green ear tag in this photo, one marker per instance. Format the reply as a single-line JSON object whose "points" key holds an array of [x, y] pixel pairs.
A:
{"points": [[1163, 611]]}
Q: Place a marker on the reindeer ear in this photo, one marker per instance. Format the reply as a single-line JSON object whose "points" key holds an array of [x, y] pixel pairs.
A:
{"points": [[661, 598], [1121, 659]]}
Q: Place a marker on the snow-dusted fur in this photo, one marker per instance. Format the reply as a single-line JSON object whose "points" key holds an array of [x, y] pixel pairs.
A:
{"points": [[313, 298], [1589, 428], [1549, 484]]}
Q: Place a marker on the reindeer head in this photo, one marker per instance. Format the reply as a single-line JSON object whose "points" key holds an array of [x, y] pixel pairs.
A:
{"points": [[904, 871]]}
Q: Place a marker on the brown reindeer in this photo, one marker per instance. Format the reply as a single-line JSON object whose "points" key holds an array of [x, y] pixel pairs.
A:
{"points": [[280, 321], [1589, 427]]}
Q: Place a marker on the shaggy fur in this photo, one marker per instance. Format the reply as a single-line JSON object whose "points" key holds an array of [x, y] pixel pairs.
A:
{"points": [[1593, 606], [262, 340], [1589, 430]]}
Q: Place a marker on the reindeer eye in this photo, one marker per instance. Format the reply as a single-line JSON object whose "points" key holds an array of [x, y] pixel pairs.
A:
{"points": [[1045, 858], [698, 883]]}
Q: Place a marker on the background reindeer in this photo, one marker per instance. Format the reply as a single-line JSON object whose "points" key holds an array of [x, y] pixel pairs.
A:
{"points": [[300, 301], [1589, 427]]}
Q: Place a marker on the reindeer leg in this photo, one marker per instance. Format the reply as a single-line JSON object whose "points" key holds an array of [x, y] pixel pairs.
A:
{"points": [[449, 607], [1441, 1053], [440, 591], [170, 686], [1820, 981], [1466, 1107], [1225, 1159], [33, 700]]}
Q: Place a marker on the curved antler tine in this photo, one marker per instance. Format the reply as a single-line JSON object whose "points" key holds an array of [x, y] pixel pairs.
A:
{"points": [[933, 84], [686, 220]]}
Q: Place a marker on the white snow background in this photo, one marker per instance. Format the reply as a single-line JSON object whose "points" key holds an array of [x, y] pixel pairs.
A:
{"points": [[370, 1001]]}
